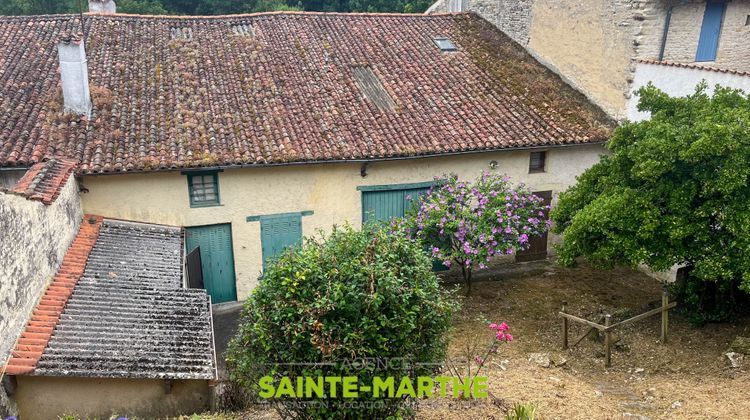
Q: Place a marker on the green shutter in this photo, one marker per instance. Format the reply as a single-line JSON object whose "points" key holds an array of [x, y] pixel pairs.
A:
{"points": [[385, 205], [217, 259], [278, 232]]}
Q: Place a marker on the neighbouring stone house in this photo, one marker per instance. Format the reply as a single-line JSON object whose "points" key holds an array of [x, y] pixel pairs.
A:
{"points": [[609, 49], [95, 306], [253, 130]]}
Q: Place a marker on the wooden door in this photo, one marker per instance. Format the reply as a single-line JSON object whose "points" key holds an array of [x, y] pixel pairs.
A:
{"points": [[538, 244], [217, 259]]}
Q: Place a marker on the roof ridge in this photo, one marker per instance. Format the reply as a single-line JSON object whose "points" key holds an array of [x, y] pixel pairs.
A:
{"points": [[695, 66], [231, 16], [34, 339]]}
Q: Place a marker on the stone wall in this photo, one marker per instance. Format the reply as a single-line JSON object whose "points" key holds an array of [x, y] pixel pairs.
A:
{"points": [[734, 41], [592, 43], [511, 16], [34, 239]]}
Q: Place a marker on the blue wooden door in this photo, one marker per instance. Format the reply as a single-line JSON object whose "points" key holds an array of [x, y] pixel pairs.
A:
{"points": [[217, 259], [277, 232], [708, 43]]}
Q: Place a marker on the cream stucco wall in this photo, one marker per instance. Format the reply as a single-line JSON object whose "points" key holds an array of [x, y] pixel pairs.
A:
{"points": [[679, 81], [43, 398], [329, 190]]}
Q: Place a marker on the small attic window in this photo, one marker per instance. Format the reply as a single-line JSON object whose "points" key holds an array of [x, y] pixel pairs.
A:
{"points": [[243, 30], [445, 44], [372, 88], [181, 32]]}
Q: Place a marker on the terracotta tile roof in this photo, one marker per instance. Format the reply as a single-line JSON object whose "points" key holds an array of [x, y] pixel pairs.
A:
{"points": [[695, 66], [125, 315], [45, 180], [33, 341], [270, 88]]}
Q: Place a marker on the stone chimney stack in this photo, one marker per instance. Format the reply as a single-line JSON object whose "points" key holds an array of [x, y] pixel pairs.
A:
{"points": [[74, 74], [105, 7]]}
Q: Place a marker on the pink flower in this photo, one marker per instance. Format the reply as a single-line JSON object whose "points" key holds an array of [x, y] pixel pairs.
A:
{"points": [[501, 336], [499, 327], [479, 360]]}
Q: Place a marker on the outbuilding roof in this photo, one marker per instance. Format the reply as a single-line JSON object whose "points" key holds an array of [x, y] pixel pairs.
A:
{"points": [[117, 309], [45, 180], [272, 88]]}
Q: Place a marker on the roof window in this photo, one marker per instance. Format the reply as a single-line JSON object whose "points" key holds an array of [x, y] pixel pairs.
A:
{"points": [[445, 44]]}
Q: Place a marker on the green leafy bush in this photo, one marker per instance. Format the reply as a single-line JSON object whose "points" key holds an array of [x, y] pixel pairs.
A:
{"points": [[365, 295]]}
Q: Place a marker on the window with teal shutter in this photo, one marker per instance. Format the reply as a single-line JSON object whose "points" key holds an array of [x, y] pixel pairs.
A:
{"points": [[708, 43], [203, 188]]}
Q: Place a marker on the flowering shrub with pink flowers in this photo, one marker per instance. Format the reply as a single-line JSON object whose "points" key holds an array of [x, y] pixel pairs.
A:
{"points": [[473, 363], [469, 223]]}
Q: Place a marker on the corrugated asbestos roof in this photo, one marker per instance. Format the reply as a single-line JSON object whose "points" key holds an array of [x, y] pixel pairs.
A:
{"points": [[128, 315], [284, 89]]}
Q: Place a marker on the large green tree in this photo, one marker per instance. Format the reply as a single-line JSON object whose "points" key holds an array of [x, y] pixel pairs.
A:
{"points": [[674, 190]]}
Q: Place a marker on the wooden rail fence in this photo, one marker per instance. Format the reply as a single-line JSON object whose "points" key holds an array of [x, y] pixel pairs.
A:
{"points": [[608, 326]]}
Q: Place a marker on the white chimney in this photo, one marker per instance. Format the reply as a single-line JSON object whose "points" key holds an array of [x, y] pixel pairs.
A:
{"points": [[75, 76], [105, 7]]}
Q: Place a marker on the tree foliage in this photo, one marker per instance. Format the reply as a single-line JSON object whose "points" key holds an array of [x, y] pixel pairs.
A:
{"points": [[673, 191], [469, 223], [215, 7], [352, 296]]}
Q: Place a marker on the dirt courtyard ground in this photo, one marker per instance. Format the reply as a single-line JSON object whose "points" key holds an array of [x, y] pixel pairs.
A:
{"points": [[685, 378]]}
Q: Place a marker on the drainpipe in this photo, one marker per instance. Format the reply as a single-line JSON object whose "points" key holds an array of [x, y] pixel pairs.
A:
{"points": [[666, 32]]}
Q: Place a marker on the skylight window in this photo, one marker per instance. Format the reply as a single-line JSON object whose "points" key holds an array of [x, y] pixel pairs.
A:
{"points": [[243, 30], [445, 44], [181, 32]]}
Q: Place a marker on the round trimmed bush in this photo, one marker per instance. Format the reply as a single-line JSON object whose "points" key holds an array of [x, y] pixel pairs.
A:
{"points": [[356, 303]]}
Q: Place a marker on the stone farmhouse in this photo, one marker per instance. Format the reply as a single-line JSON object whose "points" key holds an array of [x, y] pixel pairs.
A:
{"points": [[609, 49], [252, 131]]}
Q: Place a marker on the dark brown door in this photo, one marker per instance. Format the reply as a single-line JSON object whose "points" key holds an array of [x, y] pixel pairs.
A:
{"points": [[538, 248]]}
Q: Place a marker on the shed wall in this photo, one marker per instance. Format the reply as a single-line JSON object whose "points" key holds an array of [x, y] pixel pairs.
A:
{"points": [[44, 397]]}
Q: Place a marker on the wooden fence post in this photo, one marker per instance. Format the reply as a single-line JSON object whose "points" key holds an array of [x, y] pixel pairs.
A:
{"points": [[664, 316], [607, 341], [564, 328]]}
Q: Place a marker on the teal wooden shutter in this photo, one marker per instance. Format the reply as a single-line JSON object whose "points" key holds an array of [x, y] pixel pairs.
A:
{"points": [[708, 43], [385, 205], [217, 259], [278, 232]]}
